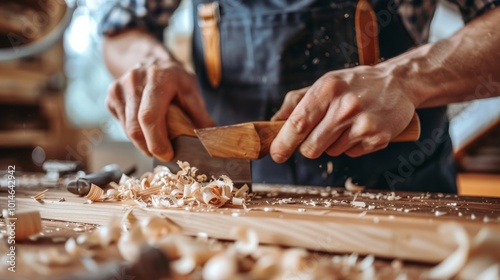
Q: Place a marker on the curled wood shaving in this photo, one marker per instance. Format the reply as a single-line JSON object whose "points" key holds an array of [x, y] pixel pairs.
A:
{"points": [[238, 201], [155, 227], [54, 257], [474, 257], [110, 233], [350, 186], [131, 243], [247, 240], [41, 194], [242, 192], [95, 193], [191, 254], [223, 266], [145, 193]]}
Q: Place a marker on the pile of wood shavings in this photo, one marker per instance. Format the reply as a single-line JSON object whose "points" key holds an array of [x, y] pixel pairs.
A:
{"points": [[164, 189]]}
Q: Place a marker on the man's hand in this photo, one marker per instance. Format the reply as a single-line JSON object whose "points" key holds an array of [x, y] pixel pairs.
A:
{"points": [[140, 100], [359, 110], [148, 80], [354, 111]]}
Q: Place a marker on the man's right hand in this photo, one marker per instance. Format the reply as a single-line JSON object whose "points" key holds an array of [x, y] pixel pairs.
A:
{"points": [[140, 98]]}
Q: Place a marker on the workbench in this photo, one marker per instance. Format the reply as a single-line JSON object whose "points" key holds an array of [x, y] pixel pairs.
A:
{"points": [[402, 226]]}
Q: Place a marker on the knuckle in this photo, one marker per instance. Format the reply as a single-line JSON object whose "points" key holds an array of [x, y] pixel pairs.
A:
{"points": [[365, 126], [134, 132], [289, 97], [375, 143], [299, 124], [368, 146], [382, 139], [331, 83], [352, 103], [147, 116], [378, 142]]}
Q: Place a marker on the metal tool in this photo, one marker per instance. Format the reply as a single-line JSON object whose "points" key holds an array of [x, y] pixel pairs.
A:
{"points": [[109, 173], [66, 175], [187, 147], [56, 175]]}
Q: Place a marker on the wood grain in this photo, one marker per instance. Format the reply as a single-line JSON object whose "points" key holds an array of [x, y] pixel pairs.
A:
{"points": [[253, 140], [288, 217]]}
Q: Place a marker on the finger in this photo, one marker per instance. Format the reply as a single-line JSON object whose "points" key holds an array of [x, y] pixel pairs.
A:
{"points": [[369, 145], [133, 84], [344, 143], [152, 111], [306, 115], [332, 128], [114, 102], [292, 98], [356, 150], [192, 102]]}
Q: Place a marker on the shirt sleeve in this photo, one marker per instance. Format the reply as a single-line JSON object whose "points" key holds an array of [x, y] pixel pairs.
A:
{"points": [[473, 8], [151, 15]]}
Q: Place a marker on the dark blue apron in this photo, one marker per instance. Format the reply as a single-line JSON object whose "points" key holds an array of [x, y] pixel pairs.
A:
{"points": [[271, 47]]}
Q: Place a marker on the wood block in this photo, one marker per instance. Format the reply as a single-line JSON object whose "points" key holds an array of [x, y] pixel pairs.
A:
{"points": [[477, 184]]}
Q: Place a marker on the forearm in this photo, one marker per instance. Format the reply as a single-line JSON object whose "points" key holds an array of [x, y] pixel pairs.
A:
{"points": [[464, 67], [127, 49]]}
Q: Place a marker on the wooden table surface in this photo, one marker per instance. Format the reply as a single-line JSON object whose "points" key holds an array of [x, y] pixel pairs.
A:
{"points": [[389, 225]]}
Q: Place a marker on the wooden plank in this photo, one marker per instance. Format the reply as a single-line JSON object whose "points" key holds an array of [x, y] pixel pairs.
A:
{"points": [[477, 184], [340, 228]]}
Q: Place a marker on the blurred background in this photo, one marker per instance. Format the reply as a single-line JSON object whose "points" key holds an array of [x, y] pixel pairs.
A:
{"points": [[53, 84]]}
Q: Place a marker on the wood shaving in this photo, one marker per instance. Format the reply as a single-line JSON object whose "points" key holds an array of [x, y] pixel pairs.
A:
{"points": [[131, 243], [41, 194], [247, 240], [95, 193], [27, 223], [242, 192], [223, 266], [350, 186], [475, 257], [360, 204], [54, 257]]}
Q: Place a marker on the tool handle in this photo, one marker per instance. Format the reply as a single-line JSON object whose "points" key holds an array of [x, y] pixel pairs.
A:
{"points": [[268, 130], [411, 133], [178, 123]]}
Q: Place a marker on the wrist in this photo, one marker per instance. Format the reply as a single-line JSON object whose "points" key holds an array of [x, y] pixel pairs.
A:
{"points": [[414, 75]]}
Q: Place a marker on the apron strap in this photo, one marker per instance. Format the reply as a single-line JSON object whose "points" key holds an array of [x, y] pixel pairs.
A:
{"points": [[366, 33], [208, 20]]}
